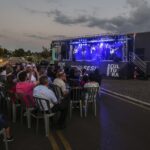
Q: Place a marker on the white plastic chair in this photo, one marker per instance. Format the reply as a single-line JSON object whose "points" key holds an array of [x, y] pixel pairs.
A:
{"points": [[28, 109], [43, 111], [90, 97], [15, 104], [75, 98]]}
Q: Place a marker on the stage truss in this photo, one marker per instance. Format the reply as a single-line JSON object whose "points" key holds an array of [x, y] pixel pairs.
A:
{"points": [[109, 47]]}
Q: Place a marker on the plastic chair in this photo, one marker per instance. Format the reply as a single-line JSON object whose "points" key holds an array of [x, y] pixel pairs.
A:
{"points": [[75, 98], [28, 107], [90, 97], [15, 103], [43, 111], [74, 82], [58, 92]]}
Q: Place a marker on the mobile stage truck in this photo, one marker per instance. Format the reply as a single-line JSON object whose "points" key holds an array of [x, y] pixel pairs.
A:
{"points": [[116, 55]]}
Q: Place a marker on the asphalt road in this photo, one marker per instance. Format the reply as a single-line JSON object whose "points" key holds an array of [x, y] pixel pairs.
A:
{"points": [[139, 89], [119, 125], [123, 126]]}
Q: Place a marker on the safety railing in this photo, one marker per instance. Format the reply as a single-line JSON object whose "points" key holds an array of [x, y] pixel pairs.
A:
{"points": [[138, 62]]}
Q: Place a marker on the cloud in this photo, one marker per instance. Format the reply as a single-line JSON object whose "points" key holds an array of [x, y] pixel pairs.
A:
{"points": [[136, 3], [3, 36], [37, 37], [89, 21], [52, 1], [61, 18], [49, 38], [57, 37], [138, 19], [33, 11]]}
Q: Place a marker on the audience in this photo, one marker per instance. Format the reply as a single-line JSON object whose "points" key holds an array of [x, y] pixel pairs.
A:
{"points": [[25, 79], [97, 76]]}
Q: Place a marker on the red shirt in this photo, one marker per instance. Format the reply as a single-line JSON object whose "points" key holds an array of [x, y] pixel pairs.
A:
{"points": [[27, 89]]}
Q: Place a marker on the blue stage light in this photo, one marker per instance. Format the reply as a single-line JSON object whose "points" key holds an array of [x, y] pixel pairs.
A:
{"points": [[101, 48], [101, 45]]}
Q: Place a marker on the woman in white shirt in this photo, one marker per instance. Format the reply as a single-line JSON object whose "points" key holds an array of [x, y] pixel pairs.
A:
{"points": [[60, 81]]}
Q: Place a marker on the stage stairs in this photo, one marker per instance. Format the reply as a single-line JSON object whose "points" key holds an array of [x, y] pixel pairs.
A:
{"points": [[139, 63]]}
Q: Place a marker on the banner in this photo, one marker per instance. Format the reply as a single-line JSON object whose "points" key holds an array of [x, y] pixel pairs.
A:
{"points": [[113, 70]]}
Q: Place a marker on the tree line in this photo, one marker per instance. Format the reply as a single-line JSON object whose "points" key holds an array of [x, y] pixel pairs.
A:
{"points": [[5, 53]]}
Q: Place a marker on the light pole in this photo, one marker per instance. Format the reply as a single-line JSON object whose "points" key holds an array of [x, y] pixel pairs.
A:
{"points": [[134, 35]]}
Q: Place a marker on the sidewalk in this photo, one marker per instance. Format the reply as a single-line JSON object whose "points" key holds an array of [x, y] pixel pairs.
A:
{"points": [[139, 89]]}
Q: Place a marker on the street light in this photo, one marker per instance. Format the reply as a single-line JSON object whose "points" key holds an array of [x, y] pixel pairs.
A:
{"points": [[1, 60]]}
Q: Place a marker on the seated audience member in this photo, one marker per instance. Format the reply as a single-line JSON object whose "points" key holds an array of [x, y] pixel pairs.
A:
{"points": [[74, 82], [60, 81], [9, 68], [71, 73], [91, 82], [84, 80], [77, 73], [42, 91], [10, 83], [84, 72], [97, 76], [32, 73], [25, 87], [17, 69], [50, 72], [74, 73], [4, 124], [3, 74], [11, 87]]}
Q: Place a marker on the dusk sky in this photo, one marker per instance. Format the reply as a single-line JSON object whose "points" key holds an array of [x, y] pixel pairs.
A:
{"points": [[31, 24]]}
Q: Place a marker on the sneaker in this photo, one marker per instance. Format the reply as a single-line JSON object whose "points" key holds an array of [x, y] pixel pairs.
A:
{"points": [[9, 139]]}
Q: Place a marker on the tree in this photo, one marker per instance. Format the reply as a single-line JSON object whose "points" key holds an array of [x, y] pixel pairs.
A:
{"points": [[1, 51], [28, 53], [19, 52], [4, 52], [45, 53]]}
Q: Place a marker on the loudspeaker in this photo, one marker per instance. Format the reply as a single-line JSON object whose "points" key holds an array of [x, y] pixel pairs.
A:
{"points": [[64, 51], [116, 59]]}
